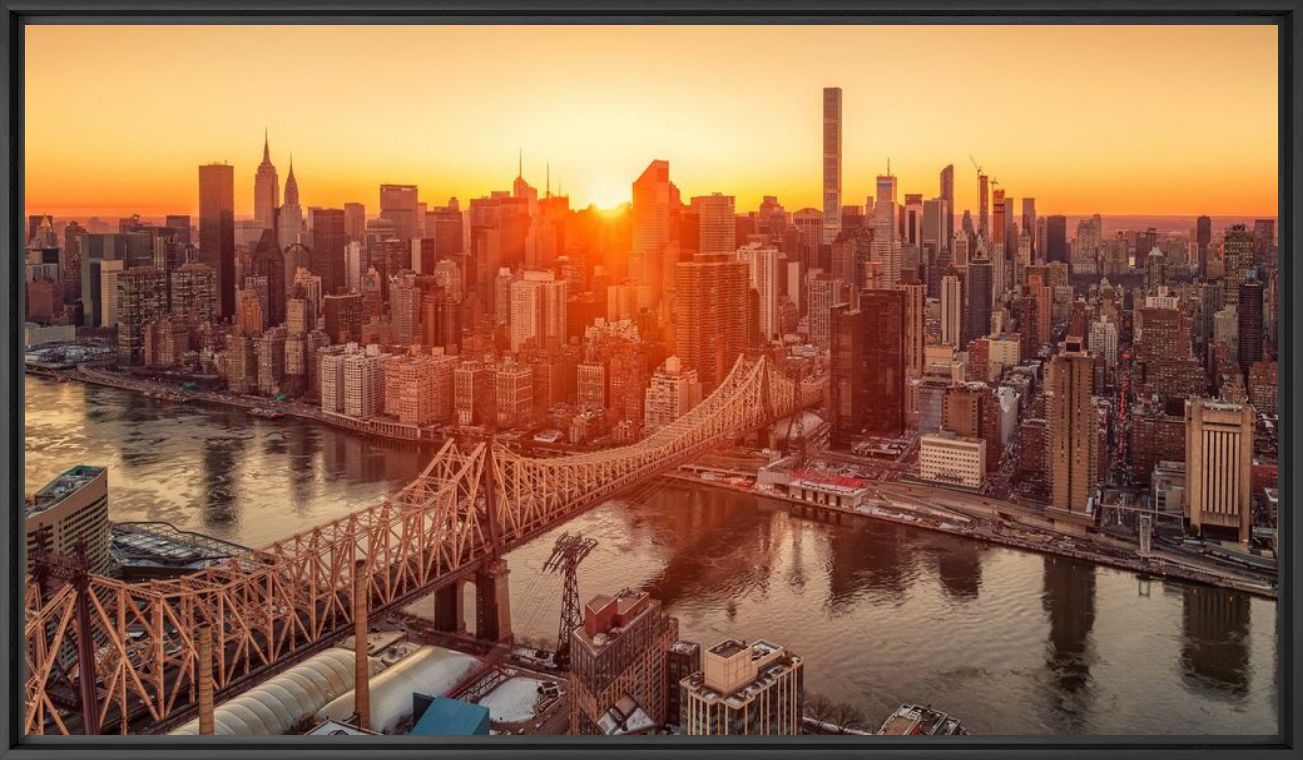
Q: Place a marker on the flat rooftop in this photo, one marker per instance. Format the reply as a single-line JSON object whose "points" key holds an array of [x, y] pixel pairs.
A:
{"points": [[71, 481]]}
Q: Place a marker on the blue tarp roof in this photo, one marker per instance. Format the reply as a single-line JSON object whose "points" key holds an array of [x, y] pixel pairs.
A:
{"points": [[452, 717]]}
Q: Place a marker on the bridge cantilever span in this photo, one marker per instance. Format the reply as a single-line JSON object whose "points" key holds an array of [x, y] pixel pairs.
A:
{"points": [[272, 606]]}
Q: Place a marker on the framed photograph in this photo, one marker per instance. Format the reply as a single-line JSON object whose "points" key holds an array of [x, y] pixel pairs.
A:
{"points": [[443, 379]]}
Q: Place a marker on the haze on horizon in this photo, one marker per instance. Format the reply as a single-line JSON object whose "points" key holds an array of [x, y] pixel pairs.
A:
{"points": [[1120, 120]]}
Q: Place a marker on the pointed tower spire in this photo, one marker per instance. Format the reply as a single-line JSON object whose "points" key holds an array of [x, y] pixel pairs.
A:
{"points": [[266, 149], [520, 162]]}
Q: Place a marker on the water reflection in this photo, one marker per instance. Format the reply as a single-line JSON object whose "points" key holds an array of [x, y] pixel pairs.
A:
{"points": [[1214, 640], [1069, 602]]}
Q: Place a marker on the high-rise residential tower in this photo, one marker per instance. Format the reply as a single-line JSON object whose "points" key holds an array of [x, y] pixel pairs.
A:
{"points": [[1074, 433], [832, 163]]}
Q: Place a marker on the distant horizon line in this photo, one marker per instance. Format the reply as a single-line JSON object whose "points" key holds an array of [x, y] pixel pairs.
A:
{"points": [[1039, 213]]}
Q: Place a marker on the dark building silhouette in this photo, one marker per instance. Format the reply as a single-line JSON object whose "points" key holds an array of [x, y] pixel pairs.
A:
{"points": [[217, 230], [1250, 327], [329, 238], [1056, 238], [1203, 236], [269, 262], [977, 300], [867, 389]]}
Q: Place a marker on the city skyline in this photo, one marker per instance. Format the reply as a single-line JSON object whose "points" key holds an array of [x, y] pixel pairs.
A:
{"points": [[596, 132]]}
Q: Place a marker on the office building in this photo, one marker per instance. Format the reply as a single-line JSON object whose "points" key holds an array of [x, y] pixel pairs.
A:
{"points": [[653, 196], [217, 230], [399, 204], [1237, 259], [950, 459], [867, 384], [1250, 333], [1056, 238], [716, 224], [1218, 468]]}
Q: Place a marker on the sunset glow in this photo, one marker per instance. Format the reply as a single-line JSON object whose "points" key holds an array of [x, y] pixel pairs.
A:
{"points": [[1107, 119]]}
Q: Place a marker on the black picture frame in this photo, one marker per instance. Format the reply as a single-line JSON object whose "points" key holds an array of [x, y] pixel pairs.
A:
{"points": [[15, 14]]}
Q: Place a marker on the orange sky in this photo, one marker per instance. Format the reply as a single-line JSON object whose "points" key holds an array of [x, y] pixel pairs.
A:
{"points": [[1107, 119]]}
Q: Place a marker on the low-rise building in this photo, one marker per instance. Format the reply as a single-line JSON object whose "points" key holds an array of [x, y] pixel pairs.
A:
{"points": [[945, 457]]}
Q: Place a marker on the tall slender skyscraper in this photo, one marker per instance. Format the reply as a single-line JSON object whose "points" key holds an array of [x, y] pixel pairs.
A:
{"points": [[832, 163], [266, 189], [217, 230], [983, 206], [948, 195]]}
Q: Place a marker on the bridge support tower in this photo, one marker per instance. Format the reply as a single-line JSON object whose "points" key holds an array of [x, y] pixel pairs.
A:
{"points": [[493, 602], [450, 608]]}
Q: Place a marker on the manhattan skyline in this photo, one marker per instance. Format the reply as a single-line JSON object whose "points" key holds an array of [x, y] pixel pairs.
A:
{"points": [[1110, 120]]}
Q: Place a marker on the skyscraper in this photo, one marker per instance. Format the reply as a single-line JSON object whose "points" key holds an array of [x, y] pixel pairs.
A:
{"points": [[832, 163], [398, 204], [266, 189], [716, 225], [1203, 236], [651, 230], [1056, 238], [217, 230], [1070, 412], [1029, 222], [952, 303], [977, 300], [1264, 238], [948, 195], [538, 309], [711, 314], [289, 220], [1250, 326], [329, 238], [1237, 258], [355, 222], [867, 386], [762, 267], [983, 206]]}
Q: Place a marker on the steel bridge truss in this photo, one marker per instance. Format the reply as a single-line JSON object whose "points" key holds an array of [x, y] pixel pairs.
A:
{"points": [[271, 606]]}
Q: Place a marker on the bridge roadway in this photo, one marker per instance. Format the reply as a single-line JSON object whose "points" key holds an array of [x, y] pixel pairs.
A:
{"points": [[275, 606]]}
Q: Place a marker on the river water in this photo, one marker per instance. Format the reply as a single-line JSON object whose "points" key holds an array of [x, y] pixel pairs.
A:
{"points": [[1011, 642]]}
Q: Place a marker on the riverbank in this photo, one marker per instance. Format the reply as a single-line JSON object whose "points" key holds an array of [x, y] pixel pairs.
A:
{"points": [[257, 406], [1061, 545]]}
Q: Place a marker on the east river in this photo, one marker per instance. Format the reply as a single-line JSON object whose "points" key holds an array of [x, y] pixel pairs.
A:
{"points": [[1008, 641]]}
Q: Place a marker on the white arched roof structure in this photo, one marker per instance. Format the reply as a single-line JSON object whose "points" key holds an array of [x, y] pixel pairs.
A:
{"points": [[429, 670], [272, 707]]}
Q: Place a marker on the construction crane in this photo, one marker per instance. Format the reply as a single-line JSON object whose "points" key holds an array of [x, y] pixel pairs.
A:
{"points": [[568, 551], [975, 164]]}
